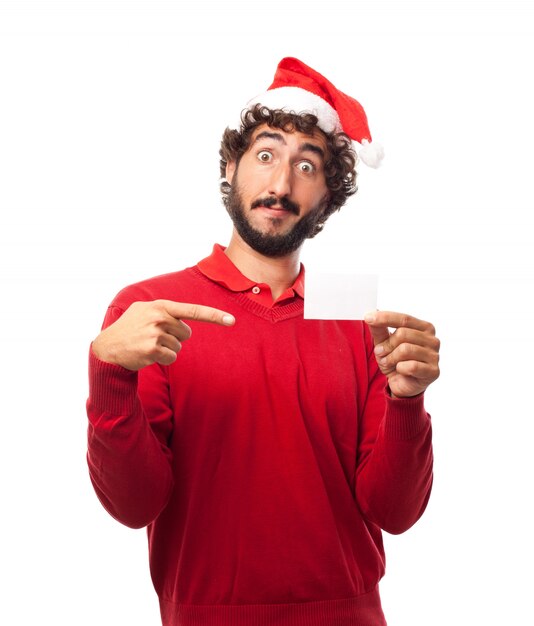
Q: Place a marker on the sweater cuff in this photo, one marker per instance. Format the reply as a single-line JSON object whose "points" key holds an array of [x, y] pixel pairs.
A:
{"points": [[112, 388], [405, 418]]}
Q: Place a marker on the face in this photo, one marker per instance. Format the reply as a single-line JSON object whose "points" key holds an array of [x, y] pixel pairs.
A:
{"points": [[278, 191]]}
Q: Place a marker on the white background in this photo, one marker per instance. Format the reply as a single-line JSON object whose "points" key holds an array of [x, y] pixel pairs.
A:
{"points": [[110, 119]]}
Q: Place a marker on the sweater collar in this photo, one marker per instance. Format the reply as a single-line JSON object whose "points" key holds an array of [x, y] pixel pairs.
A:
{"points": [[219, 268]]}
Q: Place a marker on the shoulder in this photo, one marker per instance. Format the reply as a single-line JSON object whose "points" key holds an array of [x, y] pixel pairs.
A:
{"points": [[169, 286]]}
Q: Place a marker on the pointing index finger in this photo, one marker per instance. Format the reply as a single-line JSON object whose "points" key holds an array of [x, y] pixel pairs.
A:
{"points": [[198, 312]]}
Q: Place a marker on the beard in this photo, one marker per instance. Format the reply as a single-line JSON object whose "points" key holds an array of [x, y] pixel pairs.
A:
{"points": [[268, 244]]}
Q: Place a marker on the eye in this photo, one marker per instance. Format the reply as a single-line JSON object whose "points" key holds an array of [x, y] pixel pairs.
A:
{"points": [[306, 167], [265, 156]]}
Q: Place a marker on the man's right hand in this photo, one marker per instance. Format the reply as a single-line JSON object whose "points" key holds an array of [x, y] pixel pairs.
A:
{"points": [[152, 332]]}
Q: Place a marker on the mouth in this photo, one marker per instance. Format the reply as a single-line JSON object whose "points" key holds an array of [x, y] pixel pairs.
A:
{"points": [[274, 214], [274, 209]]}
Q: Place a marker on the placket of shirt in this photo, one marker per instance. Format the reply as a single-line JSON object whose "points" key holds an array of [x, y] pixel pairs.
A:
{"points": [[261, 293]]}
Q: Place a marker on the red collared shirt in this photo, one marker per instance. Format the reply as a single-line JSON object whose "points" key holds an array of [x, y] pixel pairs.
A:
{"points": [[219, 268]]}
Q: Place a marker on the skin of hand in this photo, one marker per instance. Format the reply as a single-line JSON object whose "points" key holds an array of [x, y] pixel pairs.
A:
{"points": [[152, 332], [408, 356]]}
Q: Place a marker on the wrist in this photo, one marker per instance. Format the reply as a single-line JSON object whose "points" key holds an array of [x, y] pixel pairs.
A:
{"points": [[399, 397], [101, 352]]}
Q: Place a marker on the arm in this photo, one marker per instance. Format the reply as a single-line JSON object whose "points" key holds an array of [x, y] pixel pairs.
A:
{"points": [[129, 462], [130, 417], [394, 471]]}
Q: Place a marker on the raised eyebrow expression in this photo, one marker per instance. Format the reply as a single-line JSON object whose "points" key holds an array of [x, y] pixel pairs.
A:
{"points": [[304, 147]]}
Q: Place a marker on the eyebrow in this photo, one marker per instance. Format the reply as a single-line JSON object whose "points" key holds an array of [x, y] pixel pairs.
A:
{"points": [[311, 147], [305, 147]]}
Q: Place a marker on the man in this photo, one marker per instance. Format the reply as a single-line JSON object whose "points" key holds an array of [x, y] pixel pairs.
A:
{"points": [[263, 451]]}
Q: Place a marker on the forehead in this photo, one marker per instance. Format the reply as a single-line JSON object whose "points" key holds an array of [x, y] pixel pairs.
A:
{"points": [[290, 138]]}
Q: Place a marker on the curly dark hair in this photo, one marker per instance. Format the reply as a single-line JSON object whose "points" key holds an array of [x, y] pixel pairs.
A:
{"points": [[339, 168]]}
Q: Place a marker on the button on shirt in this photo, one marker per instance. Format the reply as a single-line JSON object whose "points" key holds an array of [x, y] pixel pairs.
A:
{"points": [[219, 268]]}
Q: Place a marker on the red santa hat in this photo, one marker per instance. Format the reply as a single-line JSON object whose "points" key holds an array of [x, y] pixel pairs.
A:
{"points": [[299, 88]]}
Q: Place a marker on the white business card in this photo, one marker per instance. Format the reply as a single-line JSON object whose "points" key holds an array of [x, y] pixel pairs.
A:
{"points": [[332, 296]]}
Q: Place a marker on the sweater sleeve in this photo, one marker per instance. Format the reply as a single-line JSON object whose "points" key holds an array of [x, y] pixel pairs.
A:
{"points": [[130, 422], [395, 458]]}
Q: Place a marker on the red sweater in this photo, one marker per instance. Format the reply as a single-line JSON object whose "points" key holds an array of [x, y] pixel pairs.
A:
{"points": [[264, 461]]}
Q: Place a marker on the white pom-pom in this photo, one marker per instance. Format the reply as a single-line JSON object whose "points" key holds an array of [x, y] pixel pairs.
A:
{"points": [[371, 153]]}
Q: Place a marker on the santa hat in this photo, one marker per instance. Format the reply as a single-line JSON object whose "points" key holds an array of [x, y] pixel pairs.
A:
{"points": [[299, 88]]}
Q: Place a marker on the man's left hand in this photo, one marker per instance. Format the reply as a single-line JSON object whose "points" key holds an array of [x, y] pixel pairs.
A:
{"points": [[409, 355]]}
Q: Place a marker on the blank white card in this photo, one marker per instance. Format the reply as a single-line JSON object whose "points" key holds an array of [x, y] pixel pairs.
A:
{"points": [[339, 296]]}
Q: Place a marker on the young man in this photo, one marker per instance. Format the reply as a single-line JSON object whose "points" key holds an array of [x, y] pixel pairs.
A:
{"points": [[267, 452]]}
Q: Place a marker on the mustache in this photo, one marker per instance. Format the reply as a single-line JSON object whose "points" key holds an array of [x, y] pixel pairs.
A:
{"points": [[284, 202]]}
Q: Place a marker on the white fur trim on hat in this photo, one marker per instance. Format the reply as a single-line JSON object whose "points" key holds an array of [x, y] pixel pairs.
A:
{"points": [[300, 101]]}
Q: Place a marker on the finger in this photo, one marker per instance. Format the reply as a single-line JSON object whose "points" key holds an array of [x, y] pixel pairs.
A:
{"points": [[170, 342], [423, 372], [407, 352], [198, 312], [165, 356], [385, 319], [408, 336], [378, 333], [177, 328]]}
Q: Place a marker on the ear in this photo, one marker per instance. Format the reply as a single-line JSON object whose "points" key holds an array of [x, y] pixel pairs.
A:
{"points": [[230, 171]]}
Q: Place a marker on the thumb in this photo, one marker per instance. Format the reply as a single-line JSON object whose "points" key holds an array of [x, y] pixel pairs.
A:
{"points": [[379, 332]]}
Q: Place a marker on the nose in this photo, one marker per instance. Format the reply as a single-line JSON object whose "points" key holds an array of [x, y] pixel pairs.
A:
{"points": [[280, 181]]}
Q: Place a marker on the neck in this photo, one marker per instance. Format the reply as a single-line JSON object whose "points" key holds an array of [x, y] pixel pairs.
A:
{"points": [[279, 273]]}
